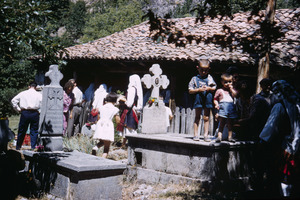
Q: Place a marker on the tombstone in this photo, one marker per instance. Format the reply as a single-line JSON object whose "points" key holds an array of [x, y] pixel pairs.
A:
{"points": [[154, 115], [51, 117]]}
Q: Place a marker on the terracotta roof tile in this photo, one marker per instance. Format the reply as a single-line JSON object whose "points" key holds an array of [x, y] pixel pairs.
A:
{"points": [[135, 42]]}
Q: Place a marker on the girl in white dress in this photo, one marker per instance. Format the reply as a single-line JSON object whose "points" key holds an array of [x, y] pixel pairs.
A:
{"points": [[104, 132]]}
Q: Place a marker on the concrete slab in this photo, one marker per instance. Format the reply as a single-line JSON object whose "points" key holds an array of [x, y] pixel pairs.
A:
{"points": [[76, 175]]}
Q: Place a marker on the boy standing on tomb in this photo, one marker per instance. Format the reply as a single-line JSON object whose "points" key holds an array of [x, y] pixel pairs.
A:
{"points": [[224, 103], [202, 86]]}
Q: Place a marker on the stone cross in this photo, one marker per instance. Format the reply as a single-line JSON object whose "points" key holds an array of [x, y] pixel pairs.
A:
{"points": [[55, 75], [154, 117], [51, 116], [156, 81]]}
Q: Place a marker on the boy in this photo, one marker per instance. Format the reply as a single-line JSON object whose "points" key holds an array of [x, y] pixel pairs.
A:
{"points": [[224, 103], [202, 86]]}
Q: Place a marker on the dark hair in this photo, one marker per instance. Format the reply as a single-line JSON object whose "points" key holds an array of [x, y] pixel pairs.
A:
{"points": [[232, 70], [243, 88], [68, 84], [32, 84], [265, 82], [111, 97], [226, 75]]}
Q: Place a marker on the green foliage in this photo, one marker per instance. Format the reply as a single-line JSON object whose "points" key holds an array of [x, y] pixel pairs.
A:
{"points": [[23, 32], [15, 76], [80, 143], [288, 4], [74, 23], [113, 17]]}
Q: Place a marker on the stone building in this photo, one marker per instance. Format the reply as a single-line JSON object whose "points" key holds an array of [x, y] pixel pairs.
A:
{"points": [[113, 58]]}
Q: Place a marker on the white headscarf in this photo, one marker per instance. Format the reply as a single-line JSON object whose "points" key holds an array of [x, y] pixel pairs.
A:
{"points": [[135, 83], [99, 96]]}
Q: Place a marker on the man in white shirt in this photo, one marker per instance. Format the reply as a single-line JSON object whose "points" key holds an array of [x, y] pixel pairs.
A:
{"points": [[28, 104], [76, 110]]}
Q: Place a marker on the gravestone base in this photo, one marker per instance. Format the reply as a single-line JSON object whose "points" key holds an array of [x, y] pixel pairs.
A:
{"points": [[76, 175], [154, 119], [52, 143], [176, 158]]}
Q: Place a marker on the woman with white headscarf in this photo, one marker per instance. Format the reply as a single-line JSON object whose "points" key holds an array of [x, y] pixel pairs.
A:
{"points": [[134, 104], [99, 96]]}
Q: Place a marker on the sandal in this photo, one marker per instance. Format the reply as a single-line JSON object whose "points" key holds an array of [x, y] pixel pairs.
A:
{"points": [[231, 140], [206, 139], [218, 140]]}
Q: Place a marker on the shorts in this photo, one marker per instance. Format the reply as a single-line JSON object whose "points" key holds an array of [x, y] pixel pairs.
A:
{"points": [[227, 110], [203, 100]]}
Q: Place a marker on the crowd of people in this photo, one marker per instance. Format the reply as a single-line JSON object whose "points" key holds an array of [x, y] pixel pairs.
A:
{"points": [[239, 113], [271, 118]]}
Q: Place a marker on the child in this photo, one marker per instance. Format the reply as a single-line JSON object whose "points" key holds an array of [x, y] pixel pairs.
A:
{"points": [[67, 102], [225, 105], [121, 126], [202, 86], [105, 127]]}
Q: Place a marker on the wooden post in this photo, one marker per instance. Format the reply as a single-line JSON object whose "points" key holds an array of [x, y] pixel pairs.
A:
{"points": [[183, 121], [264, 62], [263, 70], [177, 120], [189, 121]]}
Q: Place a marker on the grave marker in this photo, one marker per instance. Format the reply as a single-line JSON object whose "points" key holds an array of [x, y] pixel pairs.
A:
{"points": [[154, 115], [51, 117]]}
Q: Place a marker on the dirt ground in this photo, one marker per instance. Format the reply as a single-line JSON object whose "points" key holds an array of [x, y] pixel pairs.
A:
{"points": [[133, 190], [137, 191]]}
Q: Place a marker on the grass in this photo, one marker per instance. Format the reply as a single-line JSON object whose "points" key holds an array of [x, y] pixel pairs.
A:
{"points": [[14, 123], [80, 142]]}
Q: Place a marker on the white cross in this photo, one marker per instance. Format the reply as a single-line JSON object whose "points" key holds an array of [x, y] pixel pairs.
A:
{"points": [[55, 75], [157, 80]]}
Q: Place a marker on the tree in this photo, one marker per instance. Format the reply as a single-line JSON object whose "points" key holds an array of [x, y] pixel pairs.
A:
{"points": [[23, 32], [110, 17], [74, 23], [163, 28]]}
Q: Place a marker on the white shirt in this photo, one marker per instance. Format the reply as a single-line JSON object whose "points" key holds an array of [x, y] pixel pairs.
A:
{"points": [[78, 95], [28, 99]]}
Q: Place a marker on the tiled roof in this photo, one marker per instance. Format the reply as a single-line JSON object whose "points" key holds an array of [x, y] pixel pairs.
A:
{"points": [[135, 43]]}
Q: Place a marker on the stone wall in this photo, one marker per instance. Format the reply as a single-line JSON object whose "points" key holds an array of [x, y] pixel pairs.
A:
{"points": [[169, 158]]}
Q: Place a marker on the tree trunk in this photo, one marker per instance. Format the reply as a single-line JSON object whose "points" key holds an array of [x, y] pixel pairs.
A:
{"points": [[264, 62]]}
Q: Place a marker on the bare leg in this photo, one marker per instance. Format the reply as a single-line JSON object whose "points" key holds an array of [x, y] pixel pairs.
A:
{"points": [[106, 148], [196, 122], [124, 142], [206, 121], [95, 148], [221, 128], [229, 126]]}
